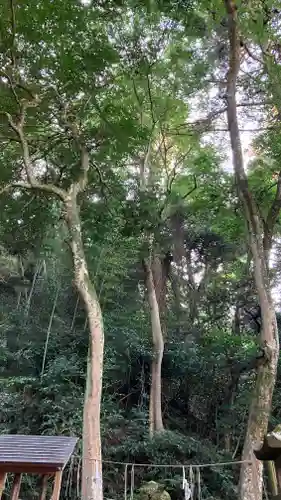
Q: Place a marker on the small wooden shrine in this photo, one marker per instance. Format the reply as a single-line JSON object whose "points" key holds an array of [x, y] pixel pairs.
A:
{"points": [[43, 455], [270, 452]]}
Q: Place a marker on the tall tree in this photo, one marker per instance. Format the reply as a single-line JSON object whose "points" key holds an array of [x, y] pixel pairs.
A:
{"points": [[46, 135], [260, 240], [92, 474]]}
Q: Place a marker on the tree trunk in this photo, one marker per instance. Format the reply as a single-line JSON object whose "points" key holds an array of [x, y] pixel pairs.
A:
{"points": [[193, 290], [178, 233], [92, 465], [160, 272], [155, 403], [236, 320], [250, 487], [182, 258], [92, 488]]}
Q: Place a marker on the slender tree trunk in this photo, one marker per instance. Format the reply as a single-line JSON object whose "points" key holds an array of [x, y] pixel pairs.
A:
{"points": [[250, 487], [236, 320], [236, 325], [160, 271], [155, 403], [155, 399], [182, 258], [92, 466], [227, 406], [178, 233], [193, 292]]}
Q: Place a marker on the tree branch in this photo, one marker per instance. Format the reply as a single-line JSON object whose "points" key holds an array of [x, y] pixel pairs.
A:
{"points": [[18, 129], [204, 124], [150, 100], [12, 86], [32, 184], [253, 56], [47, 188], [241, 130], [192, 189], [272, 216], [250, 207], [79, 185], [237, 370], [13, 24]]}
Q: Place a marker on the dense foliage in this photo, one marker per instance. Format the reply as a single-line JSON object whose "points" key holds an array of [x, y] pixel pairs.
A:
{"points": [[145, 83]]}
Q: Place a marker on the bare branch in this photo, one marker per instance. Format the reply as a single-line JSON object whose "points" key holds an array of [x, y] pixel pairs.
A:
{"points": [[204, 124], [191, 190], [253, 103], [251, 55], [13, 25], [136, 93], [241, 130], [150, 100], [6, 188], [171, 178], [31, 95]]}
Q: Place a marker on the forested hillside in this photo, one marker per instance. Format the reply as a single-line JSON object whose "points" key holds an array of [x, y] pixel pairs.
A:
{"points": [[140, 197]]}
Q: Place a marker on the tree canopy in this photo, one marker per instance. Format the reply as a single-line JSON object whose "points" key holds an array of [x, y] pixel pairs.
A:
{"points": [[140, 196]]}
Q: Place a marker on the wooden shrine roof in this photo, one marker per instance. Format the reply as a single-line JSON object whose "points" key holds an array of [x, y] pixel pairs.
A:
{"points": [[20, 453]]}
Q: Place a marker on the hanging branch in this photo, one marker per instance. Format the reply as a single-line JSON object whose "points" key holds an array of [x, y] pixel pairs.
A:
{"points": [[49, 332], [28, 302], [74, 314]]}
